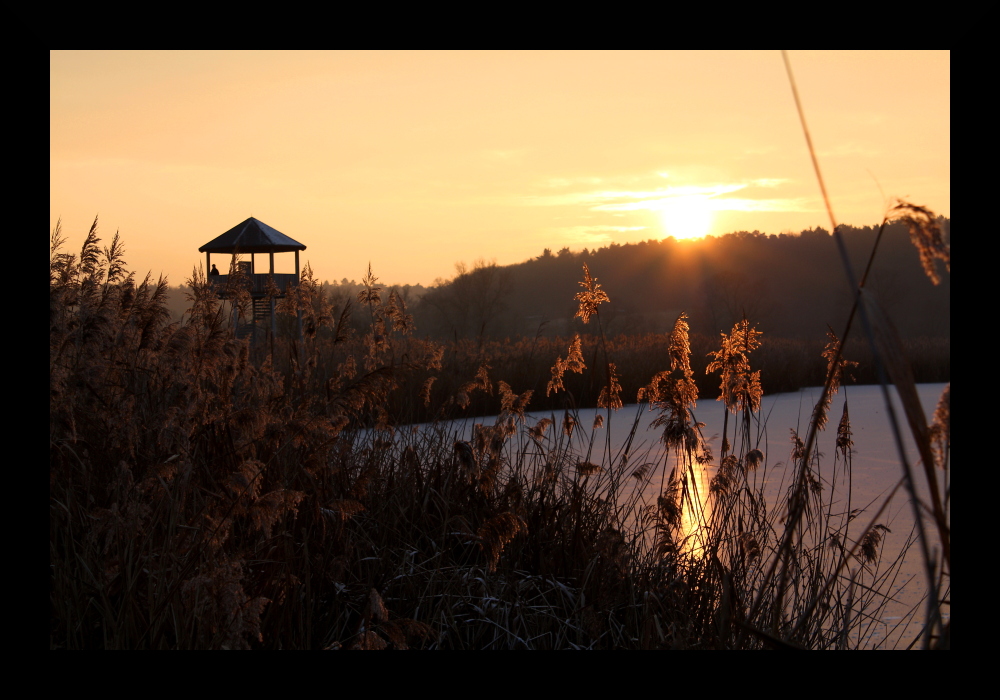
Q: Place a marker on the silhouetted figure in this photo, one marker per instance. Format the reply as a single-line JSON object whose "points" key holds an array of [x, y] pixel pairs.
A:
{"points": [[214, 270]]}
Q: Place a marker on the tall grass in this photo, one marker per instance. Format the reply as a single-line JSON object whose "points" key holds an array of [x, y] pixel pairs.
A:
{"points": [[213, 492], [210, 492]]}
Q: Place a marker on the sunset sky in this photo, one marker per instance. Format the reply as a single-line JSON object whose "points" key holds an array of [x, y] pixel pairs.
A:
{"points": [[414, 161]]}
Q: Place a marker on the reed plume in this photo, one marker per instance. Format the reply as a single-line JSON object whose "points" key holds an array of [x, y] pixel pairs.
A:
{"points": [[940, 429], [611, 394], [927, 237], [205, 496], [572, 363], [740, 388], [590, 298], [674, 392], [844, 442], [835, 366]]}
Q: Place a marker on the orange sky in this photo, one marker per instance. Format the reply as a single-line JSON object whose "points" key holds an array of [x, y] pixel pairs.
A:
{"points": [[415, 161]]}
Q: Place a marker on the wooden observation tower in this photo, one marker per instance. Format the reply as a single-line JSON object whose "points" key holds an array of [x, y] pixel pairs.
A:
{"points": [[252, 238]]}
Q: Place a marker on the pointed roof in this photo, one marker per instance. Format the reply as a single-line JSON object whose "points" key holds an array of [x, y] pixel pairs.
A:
{"points": [[252, 236]]}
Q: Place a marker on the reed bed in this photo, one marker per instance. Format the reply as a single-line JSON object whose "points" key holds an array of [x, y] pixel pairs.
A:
{"points": [[213, 492], [786, 365]]}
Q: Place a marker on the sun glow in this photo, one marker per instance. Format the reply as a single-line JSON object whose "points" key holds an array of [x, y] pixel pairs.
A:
{"points": [[687, 217], [696, 511]]}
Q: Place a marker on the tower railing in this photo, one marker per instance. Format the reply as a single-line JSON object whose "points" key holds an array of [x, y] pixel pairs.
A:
{"points": [[258, 283]]}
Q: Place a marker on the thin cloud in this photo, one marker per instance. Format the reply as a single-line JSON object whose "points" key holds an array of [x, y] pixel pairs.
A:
{"points": [[576, 235], [603, 200], [661, 198], [796, 204]]}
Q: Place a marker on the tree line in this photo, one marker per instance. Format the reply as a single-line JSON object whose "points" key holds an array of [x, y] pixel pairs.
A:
{"points": [[791, 285]]}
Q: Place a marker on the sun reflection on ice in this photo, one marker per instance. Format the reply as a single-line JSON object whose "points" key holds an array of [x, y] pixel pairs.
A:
{"points": [[696, 510]]}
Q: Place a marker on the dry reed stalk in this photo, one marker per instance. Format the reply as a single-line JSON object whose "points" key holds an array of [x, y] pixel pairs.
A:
{"points": [[881, 333], [271, 511]]}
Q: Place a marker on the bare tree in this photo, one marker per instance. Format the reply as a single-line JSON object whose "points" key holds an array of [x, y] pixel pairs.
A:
{"points": [[471, 303], [732, 295]]}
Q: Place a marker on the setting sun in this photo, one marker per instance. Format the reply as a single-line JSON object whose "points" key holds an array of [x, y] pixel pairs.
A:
{"points": [[687, 217], [497, 350], [444, 156]]}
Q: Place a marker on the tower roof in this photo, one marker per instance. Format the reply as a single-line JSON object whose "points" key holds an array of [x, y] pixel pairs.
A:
{"points": [[252, 236]]}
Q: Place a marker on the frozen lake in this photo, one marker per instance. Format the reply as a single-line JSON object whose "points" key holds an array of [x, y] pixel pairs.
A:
{"points": [[875, 472]]}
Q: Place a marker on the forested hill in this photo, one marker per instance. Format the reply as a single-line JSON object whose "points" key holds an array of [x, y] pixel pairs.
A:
{"points": [[790, 285]]}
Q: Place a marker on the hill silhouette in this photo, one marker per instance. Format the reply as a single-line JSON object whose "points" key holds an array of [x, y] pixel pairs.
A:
{"points": [[791, 285]]}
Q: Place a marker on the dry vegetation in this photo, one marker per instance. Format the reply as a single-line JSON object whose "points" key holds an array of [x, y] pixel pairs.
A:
{"points": [[214, 492]]}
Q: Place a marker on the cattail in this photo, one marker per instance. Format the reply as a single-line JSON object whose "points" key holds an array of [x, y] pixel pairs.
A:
{"points": [[753, 459], [587, 468]]}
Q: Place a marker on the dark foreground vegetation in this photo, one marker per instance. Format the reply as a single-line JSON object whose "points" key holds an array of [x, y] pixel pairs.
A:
{"points": [[214, 492]]}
